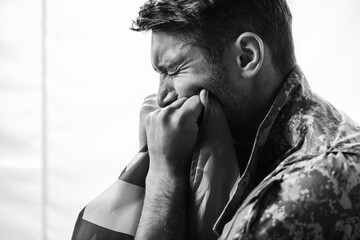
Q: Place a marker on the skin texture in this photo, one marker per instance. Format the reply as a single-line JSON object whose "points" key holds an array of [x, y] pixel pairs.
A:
{"points": [[246, 76]]}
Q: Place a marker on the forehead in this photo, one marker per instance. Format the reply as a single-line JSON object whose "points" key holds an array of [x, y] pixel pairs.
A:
{"points": [[169, 47]]}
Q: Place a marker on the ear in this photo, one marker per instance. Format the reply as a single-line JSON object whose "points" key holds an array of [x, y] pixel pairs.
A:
{"points": [[250, 54]]}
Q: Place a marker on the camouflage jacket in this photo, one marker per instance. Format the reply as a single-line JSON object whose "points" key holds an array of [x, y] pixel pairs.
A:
{"points": [[309, 153]]}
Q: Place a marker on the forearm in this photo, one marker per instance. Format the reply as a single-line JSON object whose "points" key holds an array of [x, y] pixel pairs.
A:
{"points": [[164, 210], [171, 134]]}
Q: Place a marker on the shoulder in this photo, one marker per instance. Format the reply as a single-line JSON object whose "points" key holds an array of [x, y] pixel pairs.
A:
{"points": [[318, 198]]}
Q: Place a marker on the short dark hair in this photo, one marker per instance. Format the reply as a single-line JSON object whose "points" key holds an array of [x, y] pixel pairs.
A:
{"points": [[213, 24]]}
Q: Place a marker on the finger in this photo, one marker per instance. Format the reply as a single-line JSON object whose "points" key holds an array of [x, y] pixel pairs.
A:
{"points": [[151, 97], [192, 107], [142, 125], [178, 103], [147, 108], [202, 95], [150, 102], [149, 105]]}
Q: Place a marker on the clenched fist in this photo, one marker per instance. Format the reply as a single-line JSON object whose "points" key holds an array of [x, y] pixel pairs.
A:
{"points": [[171, 136]]}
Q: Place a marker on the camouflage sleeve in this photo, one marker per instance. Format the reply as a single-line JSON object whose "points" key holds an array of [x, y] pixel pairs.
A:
{"points": [[316, 199]]}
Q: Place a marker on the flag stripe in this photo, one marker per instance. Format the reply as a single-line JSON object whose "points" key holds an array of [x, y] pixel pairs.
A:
{"points": [[85, 230], [136, 174], [118, 208]]}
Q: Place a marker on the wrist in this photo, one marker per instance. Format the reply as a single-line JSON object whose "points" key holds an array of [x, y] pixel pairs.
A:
{"points": [[165, 183], [164, 209], [173, 169]]}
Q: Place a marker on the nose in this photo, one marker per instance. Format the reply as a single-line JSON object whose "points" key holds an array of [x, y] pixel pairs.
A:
{"points": [[166, 92]]}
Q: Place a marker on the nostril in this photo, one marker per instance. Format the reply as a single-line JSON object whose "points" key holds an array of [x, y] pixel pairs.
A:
{"points": [[164, 100]]}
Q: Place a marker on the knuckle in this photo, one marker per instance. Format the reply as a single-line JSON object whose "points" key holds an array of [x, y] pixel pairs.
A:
{"points": [[149, 118], [164, 115]]}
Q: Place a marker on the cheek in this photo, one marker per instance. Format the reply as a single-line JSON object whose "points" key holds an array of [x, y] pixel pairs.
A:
{"points": [[187, 85]]}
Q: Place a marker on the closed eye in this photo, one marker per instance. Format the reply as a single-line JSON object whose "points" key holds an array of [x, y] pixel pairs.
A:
{"points": [[163, 71], [173, 73], [174, 70]]}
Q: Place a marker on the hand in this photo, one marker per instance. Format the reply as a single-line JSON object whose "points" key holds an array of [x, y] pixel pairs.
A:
{"points": [[149, 105], [171, 134]]}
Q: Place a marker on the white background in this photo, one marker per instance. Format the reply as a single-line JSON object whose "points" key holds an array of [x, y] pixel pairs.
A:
{"points": [[72, 80]]}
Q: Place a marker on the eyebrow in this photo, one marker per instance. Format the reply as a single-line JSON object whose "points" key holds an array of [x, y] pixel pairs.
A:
{"points": [[170, 67]]}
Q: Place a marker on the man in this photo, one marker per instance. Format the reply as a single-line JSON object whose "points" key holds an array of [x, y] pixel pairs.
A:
{"points": [[298, 157]]}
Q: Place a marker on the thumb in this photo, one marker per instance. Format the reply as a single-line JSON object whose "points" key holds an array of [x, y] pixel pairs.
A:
{"points": [[203, 95], [193, 108]]}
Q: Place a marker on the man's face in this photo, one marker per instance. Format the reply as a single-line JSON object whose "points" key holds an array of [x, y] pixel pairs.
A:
{"points": [[184, 71]]}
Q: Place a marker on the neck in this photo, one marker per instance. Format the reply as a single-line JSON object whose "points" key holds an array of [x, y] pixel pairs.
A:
{"points": [[244, 131]]}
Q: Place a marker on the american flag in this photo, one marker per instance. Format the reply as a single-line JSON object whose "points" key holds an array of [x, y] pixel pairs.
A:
{"points": [[115, 213]]}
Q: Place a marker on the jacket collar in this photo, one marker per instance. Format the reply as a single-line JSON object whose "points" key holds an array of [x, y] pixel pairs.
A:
{"points": [[291, 97]]}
